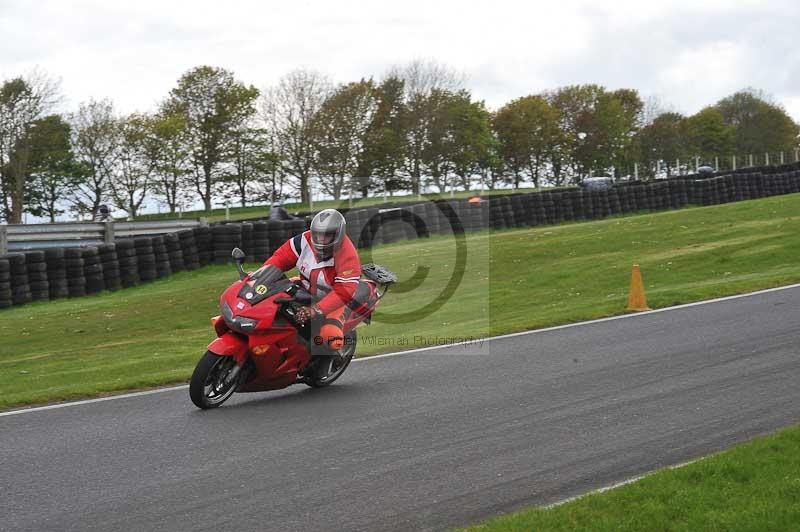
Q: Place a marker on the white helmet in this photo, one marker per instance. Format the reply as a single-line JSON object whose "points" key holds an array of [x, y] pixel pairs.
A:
{"points": [[327, 232]]}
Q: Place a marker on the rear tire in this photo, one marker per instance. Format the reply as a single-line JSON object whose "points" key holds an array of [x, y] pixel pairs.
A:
{"points": [[209, 387], [326, 369]]}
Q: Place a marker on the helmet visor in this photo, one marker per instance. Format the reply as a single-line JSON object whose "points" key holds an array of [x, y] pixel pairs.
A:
{"points": [[323, 239]]}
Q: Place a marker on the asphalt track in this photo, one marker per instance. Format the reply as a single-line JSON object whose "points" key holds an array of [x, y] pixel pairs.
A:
{"points": [[426, 440]]}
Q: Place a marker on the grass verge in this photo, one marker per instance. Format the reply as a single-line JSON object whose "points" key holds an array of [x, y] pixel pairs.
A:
{"points": [[512, 280], [754, 486]]}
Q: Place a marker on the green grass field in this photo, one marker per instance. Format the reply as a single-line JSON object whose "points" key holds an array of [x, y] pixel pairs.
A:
{"points": [[513, 280], [753, 487]]}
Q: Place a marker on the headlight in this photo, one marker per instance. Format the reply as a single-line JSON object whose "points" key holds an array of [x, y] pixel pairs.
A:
{"points": [[239, 323], [227, 313]]}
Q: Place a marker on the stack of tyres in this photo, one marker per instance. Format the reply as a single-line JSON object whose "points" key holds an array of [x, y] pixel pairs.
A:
{"points": [[740, 189], [756, 185], [128, 263], [576, 199], [558, 207], [529, 204], [496, 219], [695, 191], [649, 196], [174, 252], [37, 275], [191, 257], [453, 213], [391, 227], [674, 193], [410, 227], [275, 234], [614, 205], [6, 298], [794, 181], [478, 214], [660, 195], [429, 214], [56, 273], [296, 227], [260, 241], [521, 215], [421, 219], [540, 207], [20, 289], [110, 264], [247, 242], [163, 266], [508, 211], [445, 217], [145, 258], [605, 203], [621, 191], [567, 208], [202, 237], [225, 238], [76, 278], [93, 271]]}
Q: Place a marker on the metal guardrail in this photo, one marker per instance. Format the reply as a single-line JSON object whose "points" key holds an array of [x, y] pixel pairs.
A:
{"points": [[20, 237]]}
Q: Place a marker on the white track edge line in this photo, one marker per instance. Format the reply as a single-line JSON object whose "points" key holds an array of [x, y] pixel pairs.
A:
{"points": [[619, 484], [432, 348]]}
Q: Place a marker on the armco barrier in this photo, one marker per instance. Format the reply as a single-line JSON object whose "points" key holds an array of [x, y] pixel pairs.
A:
{"points": [[158, 252], [20, 237]]}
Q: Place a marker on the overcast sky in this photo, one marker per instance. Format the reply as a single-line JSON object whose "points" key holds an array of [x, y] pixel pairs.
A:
{"points": [[688, 53]]}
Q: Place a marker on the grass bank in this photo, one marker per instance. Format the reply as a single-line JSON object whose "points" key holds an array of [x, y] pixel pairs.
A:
{"points": [[512, 280], [752, 487]]}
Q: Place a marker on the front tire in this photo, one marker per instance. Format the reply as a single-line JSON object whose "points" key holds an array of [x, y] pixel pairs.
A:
{"points": [[214, 380]]}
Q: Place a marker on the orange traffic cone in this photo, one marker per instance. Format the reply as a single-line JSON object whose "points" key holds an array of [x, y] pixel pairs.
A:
{"points": [[637, 301]]}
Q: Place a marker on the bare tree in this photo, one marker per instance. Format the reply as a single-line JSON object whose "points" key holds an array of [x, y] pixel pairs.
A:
{"points": [[422, 77], [340, 135], [131, 179], [95, 136], [292, 105], [422, 80], [23, 101], [271, 189], [214, 104], [171, 152]]}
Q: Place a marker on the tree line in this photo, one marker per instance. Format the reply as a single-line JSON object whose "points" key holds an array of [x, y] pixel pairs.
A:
{"points": [[214, 137]]}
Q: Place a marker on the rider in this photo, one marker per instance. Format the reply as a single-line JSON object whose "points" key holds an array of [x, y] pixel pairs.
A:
{"points": [[329, 269]]}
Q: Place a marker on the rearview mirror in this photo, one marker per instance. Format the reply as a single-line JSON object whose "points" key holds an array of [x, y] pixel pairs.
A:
{"points": [[238, 255]]}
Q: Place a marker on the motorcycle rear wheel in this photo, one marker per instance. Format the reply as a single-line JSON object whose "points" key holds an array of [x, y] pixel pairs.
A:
{"points": [[210, 385], [329, 368]]}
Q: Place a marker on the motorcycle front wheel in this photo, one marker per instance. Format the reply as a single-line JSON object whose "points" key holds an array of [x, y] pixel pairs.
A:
{"points": [[214, 380]]}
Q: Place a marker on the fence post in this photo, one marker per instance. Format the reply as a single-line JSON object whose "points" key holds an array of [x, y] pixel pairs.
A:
{"points": [[636, 171], [108, 232], [696, 164], [733, 161], [750, 159], [782, 161], [796, 155], [658, 167], [3, 239], [716, 164], [766, 159]]}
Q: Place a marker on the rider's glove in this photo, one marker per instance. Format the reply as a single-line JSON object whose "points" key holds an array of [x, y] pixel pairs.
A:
{"points": [[305, 314]]}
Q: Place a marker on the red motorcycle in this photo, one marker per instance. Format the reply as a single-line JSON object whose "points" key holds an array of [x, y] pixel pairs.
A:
{"points": [[261, 347]]}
